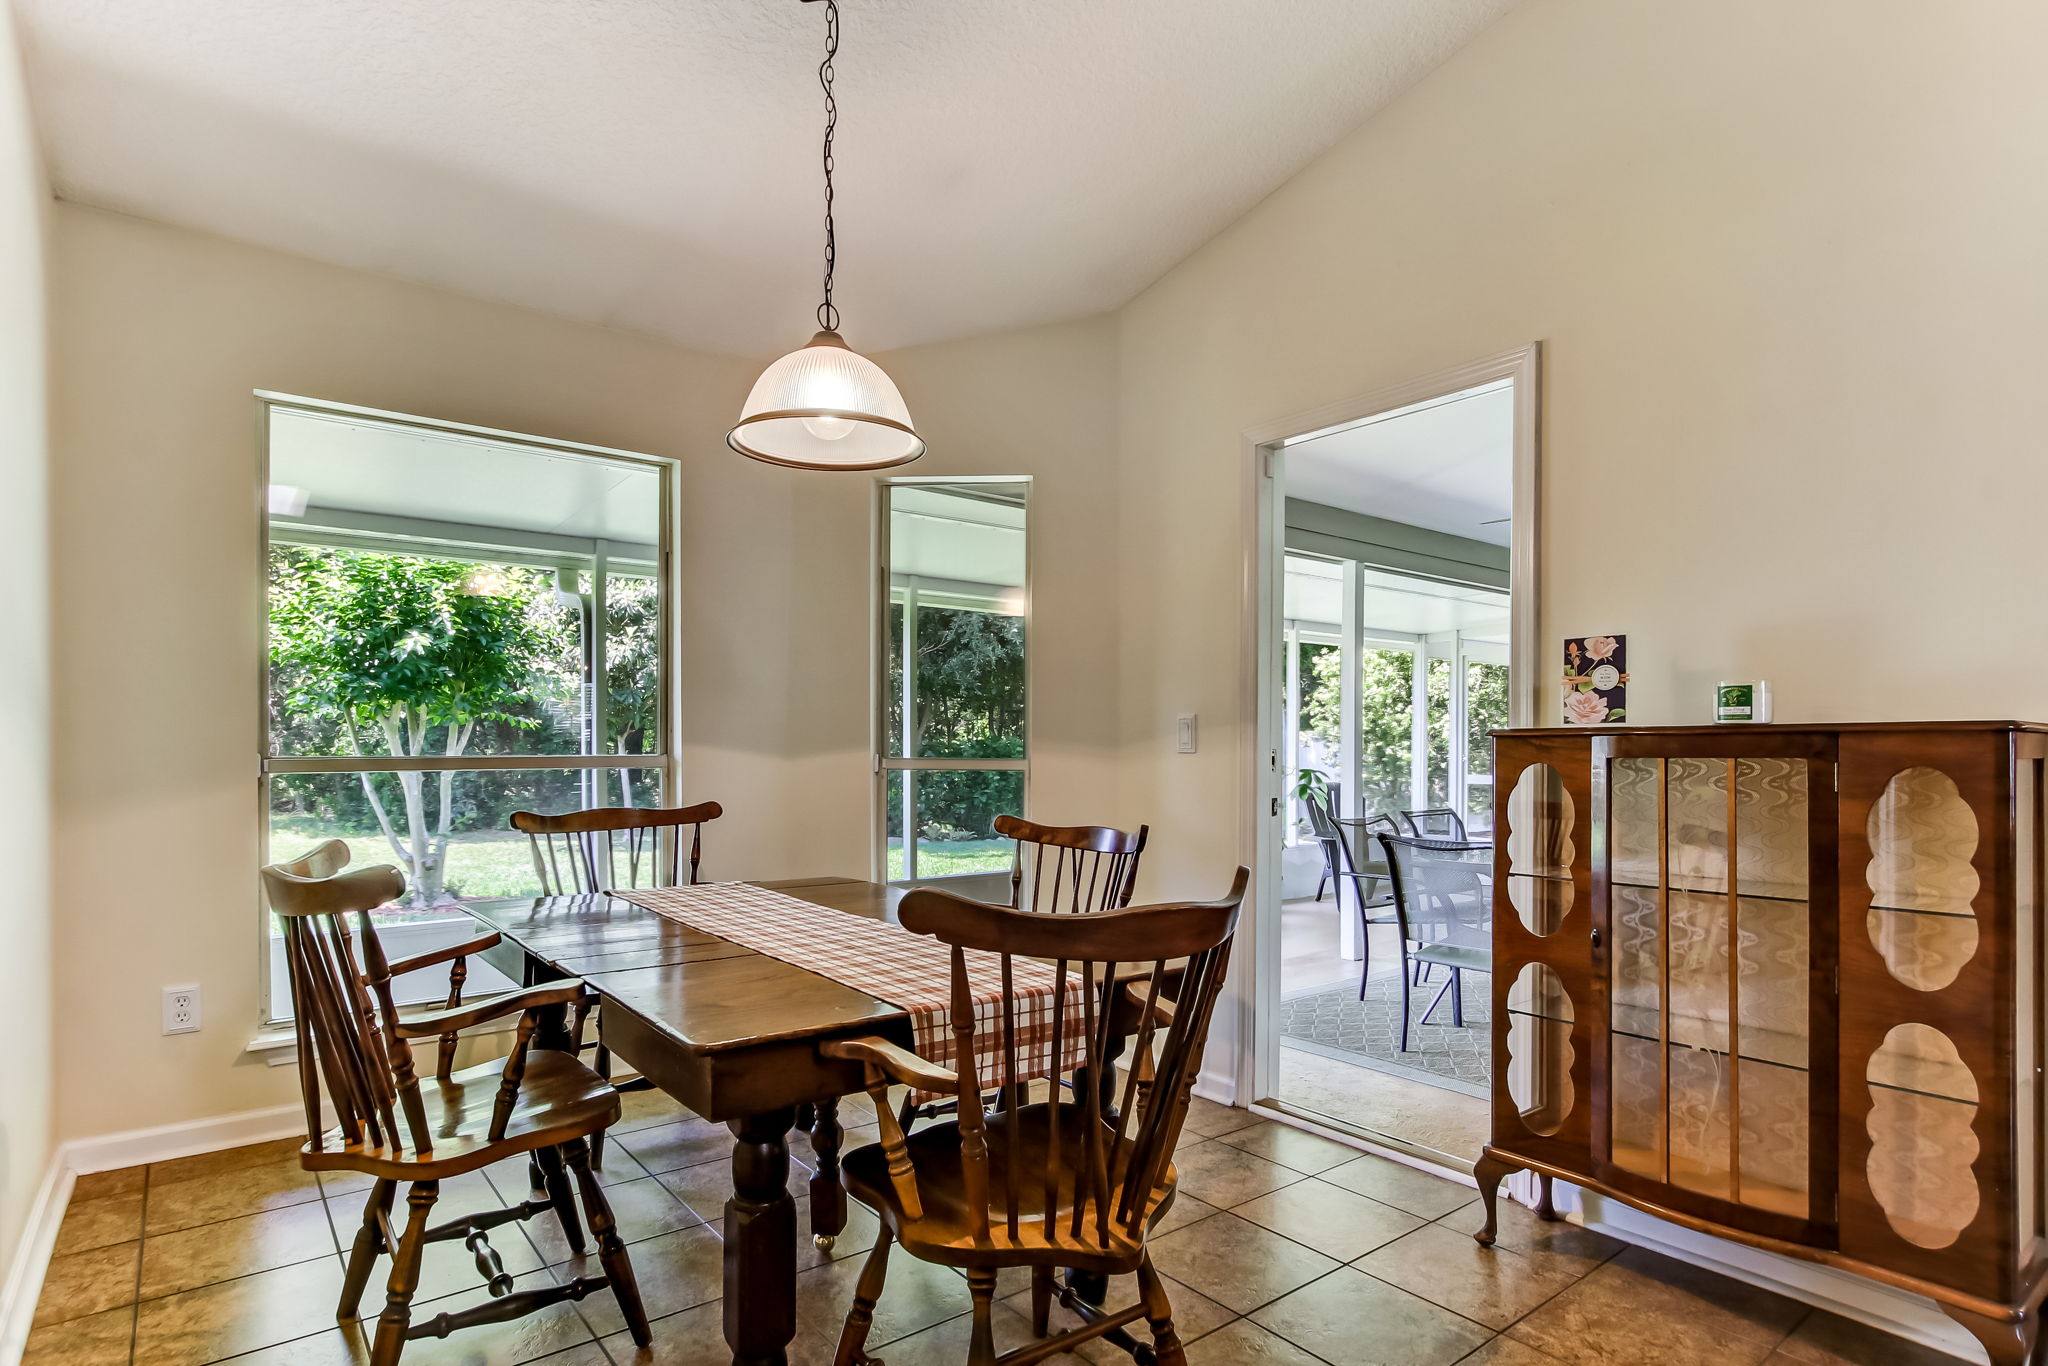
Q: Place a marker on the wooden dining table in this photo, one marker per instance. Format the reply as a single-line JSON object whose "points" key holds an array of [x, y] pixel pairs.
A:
{"points": [[732, 1034]]}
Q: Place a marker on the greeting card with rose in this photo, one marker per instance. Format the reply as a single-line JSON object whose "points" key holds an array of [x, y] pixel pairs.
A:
{"points": [[1595, 680]]}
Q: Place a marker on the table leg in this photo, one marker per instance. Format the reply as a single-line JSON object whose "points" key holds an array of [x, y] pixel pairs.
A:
{"points": [[828, 1196], [760, 1242], [1088, 1285]]}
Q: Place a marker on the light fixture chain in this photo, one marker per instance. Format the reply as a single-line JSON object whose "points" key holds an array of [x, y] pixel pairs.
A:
{"points": [[828, 315]]}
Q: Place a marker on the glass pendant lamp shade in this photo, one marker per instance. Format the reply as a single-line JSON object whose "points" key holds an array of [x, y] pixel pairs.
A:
{"points": [[826, 407]]}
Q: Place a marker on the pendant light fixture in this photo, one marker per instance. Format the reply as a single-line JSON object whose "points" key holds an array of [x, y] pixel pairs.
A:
{"points": [[825, 406]]}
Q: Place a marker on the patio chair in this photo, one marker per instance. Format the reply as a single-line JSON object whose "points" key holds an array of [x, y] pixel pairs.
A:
{"points": [[1433, 823], [1365, 878], [1445, 910]]}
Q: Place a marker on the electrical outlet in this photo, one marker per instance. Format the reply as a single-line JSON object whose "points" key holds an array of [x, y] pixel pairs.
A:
{"points": [[181, 1010]]}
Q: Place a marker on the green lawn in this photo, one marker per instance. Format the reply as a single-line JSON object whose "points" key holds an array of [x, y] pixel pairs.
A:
{"points": [[945, 858], [488, 863]]}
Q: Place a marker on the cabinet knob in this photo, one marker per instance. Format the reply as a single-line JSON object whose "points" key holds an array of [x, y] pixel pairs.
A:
{"points": [[1596, 938]]}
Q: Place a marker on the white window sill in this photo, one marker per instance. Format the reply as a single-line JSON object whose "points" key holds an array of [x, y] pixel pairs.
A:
{"points": [[278, 1044]]}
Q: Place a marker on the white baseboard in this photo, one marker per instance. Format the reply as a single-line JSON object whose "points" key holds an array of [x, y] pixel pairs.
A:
{"points": [[111, 1151], [32, 1259]]}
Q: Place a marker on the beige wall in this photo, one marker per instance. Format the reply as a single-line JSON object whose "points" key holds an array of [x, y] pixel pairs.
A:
{"points": [[161, 336], [24, 669], [1785, 262]]}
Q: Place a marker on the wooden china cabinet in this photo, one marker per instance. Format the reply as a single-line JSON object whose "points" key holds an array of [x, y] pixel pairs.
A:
{"points": [[1862, 1088]]}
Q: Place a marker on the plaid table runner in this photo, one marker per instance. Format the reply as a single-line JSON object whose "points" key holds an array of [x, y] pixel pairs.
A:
{"points": [[911, 971]]}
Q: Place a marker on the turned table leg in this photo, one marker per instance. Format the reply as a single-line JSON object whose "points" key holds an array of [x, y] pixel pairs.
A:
{"points": [[828, 1196], [760, 1242]]}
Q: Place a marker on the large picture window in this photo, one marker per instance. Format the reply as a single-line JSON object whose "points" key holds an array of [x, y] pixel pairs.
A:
{"points": [[460, 624], [952, 724]]}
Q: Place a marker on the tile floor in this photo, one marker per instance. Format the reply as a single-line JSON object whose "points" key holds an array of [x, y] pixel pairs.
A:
{"points": [[1283, 1249]]}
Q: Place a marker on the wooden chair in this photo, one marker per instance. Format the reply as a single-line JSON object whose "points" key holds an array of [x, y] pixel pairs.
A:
{"points": [[1093, 867], [579, 853], [1071, 869], [1071, 1182], [393, 1126]]}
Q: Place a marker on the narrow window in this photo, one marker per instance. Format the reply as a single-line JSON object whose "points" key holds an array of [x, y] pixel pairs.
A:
{"points": [[952, 675]]}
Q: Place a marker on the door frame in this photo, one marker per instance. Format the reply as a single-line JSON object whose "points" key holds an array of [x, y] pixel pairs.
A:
{"points": [[1264, 786]]}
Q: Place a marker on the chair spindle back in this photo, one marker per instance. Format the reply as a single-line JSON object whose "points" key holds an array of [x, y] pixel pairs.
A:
{"points": [[343, 1010], [584, 852], [1071, 868], [1091, 1177]]}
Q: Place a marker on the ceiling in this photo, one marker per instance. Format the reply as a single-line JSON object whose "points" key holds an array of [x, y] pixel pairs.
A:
{"points": [[1446, 465], [342, 464], [653, 164], [1313, 592]]}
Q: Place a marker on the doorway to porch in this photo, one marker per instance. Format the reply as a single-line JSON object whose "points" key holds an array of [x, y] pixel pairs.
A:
{"points": [[1393, 631]]}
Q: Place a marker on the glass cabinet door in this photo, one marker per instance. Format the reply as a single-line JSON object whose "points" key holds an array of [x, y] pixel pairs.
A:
{"points": [[1709, 961]]}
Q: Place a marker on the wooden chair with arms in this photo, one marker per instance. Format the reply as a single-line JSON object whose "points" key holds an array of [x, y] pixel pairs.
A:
{"points": [[1064, 1183], [392, 1125], [581, 853], [1093, 867]]}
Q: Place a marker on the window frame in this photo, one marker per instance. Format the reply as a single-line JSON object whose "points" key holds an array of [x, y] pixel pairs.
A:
{"points": [[881, 599], [663, 760]]}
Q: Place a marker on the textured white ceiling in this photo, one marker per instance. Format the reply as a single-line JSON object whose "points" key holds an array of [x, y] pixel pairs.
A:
{"points": [[654, 164]]}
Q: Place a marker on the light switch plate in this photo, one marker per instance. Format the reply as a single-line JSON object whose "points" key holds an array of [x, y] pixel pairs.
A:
{"points": [[1184, 733]]}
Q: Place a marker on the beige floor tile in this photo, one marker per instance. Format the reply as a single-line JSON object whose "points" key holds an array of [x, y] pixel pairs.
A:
{"points": [[1361, 1099], [99, 1185], [1350, 1319], [1237, 1263], [101, 1339], [1505, 1351], [1207, 1119], [1193, 1314], [1403, 1187], [915, 1296], [707, 1186], [853, 1240], [1824, 1339], [554, 1335], [1244, 1343], [231, 1317], [665, 1147], [646, 1109], [212, 1196], [1491, 1284], [589, 1354], [696, 1337], [945, 1344], [675, 1271], [1184, 1210], [278, 1151], [1557, 1242], [643, 1209], [1334, 1221], [1641, 1307], [1290, 1147], [82, 1283], [99, 1222], [1223, 1176], [193, 1257]]}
